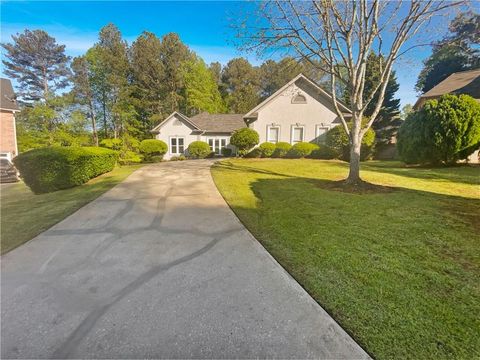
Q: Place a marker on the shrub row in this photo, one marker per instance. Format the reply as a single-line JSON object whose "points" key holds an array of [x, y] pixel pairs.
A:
{"points": [[336, 147], [60, 167]]}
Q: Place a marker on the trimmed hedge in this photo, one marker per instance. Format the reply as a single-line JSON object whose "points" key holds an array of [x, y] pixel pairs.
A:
{"points": [[267, 149], [54, 168], [323, 152], [254, 153], [153, 147], [281, 149], [199, 150], [227, 152], [301, 150]]}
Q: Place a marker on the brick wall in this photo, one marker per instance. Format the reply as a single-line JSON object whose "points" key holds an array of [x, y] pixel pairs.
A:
{"points": [[7, 132]]}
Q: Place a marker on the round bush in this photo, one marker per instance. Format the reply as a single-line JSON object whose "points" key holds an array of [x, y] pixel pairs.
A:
{"points": [[267, 149], [198, 150], [60, 167], [323, 152], [301, 150], [156, 159], [337, 140], [244, 139], [281, 149], [443, 131], [152, 147], [227, 152]]}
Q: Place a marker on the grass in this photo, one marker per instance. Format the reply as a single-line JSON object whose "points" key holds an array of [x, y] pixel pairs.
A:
{"points": [[397, 266], [25, 215]]}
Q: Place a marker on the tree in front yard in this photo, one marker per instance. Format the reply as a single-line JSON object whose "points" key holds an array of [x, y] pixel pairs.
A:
{"points": [[339, 36], [244, 139], [443, 131]]}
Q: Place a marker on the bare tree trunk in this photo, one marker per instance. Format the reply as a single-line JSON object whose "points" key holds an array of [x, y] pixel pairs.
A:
{"points": [[355, 146], [94, 124]]}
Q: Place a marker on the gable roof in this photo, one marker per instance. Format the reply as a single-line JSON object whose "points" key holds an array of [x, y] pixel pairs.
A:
{"points": [[181, 116], [7, 98], [252, 113], [221, 123], [464, 82]]}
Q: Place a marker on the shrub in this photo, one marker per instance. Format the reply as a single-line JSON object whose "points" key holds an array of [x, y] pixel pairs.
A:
{"points": [[301, 150], [244, 139], [199, 150], [54, 168], [281, 149], [152, 147], [443, 131], [156, 159], [127, 157], [254, 153], [227, 152], [323, 152], [178, 158], [267, 149], [113, 144], [337, 140]]}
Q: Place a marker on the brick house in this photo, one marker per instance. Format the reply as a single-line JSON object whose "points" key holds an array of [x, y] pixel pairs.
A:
{"points": [[8, 108]]}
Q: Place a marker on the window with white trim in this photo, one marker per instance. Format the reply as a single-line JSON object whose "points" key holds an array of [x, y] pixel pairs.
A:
{"points": [[177, 145], [299, 99], [297, 134], [273, 134], [320, 132]]}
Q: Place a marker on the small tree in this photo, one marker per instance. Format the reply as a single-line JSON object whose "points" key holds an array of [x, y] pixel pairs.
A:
{"points": [[244, 139], [337, 140], [443, 131]]}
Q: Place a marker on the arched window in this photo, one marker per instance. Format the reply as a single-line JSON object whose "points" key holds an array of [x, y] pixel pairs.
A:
{"points": [[299, 99]]}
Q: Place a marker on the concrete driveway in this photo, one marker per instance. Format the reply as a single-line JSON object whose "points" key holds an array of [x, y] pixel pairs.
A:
{"points": [[159, 267]]}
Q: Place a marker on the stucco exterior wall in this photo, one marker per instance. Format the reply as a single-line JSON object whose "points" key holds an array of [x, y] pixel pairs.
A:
{"points": [[8, 138], [282, 112], [176, 127]]}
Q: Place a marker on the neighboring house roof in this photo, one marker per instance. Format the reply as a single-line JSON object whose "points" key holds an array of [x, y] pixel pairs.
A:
{"points": [[253, 113], [7, 96], [219, 123], [465, 82]]}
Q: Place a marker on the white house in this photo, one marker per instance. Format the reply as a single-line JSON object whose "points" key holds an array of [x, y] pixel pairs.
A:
{"points": [[299, 111]]}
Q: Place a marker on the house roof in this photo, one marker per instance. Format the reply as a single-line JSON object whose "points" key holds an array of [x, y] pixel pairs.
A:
{"points": [[465, 82], [253, 113], [221, 123], [7, 96], [205, 122]]}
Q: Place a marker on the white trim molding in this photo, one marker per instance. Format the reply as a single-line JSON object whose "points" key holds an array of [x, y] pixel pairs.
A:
{"points": [[273, 126], [297, 126]]}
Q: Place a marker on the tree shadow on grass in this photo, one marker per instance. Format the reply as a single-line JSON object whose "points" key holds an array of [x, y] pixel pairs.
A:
{"points": [[464, 173], [375, 258]]}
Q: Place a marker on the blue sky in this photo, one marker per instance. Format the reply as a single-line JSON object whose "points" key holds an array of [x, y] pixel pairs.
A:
{"points": [[203, 26]]}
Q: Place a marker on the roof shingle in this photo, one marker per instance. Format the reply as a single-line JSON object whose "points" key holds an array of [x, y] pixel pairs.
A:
{"points": [[218, 123]]}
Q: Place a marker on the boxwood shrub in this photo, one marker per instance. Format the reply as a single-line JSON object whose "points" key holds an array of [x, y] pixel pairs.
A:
{"points": [[198, 150], [301, 150], [54, 168], [267, 149], [281, 149], [153, 147], [244, 139], [323, 152]]}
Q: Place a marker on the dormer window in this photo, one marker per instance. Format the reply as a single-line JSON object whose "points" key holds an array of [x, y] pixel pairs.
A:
{"points": [[299, 99]]}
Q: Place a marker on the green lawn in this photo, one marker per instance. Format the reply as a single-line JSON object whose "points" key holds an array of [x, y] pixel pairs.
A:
{"points": [[397, 266], [25, 215]]}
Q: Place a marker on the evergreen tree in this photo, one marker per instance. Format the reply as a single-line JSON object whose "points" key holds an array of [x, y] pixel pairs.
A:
{"points": [[38, 63], [148, 90], [242, 85], [455, 52], [200, 89], [173, 53]]}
